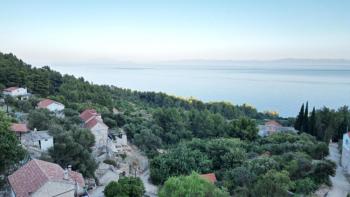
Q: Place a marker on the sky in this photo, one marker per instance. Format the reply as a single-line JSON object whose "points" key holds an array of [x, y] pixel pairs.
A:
{"points": [[65, 32]]}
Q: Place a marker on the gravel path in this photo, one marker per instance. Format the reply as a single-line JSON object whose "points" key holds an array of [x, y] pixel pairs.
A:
{"points": [[151, 190], [341, 186]]}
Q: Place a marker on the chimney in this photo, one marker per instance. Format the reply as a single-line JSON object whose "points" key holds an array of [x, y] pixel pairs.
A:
{"points": [[69, 168], [65, 174]]}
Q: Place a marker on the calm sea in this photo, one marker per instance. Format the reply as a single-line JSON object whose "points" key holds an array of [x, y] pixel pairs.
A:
{"points": [[265, 87]]}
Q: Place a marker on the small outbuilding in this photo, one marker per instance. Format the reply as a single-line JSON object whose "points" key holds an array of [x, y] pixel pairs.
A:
{"points": [[39, 140], [20, 129]]}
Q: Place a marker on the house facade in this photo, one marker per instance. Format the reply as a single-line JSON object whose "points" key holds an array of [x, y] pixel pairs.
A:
{"points": [[93, 121], [16, 92], [50, 105], [271, 127], [99, 130], [345, 155], [39, 178], [39, 140]]}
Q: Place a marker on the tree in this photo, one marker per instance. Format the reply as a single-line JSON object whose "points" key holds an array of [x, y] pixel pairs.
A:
{"points": [[10, 150], [39, 119], [322, 169], [238, 177], [243, 128], [147, 141], [305, 186], [181, 160], [300, 118], [273, 184], [312, 123], [172, 121], [261, 165], [72, 147], [306, 119], [321, 150], [125, 187], [191, 185]]}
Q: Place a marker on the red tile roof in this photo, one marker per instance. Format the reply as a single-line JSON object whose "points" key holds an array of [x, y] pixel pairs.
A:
{"points": [[209, 177], [273, 123], [77, 177], [36, 173], [88, 114], [93, 122], [19, 128], [10, 89], [46, 102]]}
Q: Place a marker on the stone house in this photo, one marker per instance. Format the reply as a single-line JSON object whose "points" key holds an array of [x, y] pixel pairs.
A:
{"points": [[51, 105], [40, 140], [271, 127], [17, 92], [39, 178], [93, 121]]}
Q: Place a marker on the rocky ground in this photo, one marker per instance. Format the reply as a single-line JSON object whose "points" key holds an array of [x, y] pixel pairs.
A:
{"points": [[341, 186], [142, 171]]}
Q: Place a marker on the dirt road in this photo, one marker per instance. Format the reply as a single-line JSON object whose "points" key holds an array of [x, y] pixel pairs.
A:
{"points": [[341, 186]]}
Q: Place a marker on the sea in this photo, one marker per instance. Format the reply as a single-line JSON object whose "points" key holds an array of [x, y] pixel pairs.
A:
{"points": [[267, 87]]}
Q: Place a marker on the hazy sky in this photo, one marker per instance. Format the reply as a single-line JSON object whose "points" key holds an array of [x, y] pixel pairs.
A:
{"points": [[44, 32]]}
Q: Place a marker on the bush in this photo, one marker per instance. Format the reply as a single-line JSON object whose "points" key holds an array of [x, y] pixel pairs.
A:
{"points": [[305, 186], [110, 162], [126, 186], [191, 185]]}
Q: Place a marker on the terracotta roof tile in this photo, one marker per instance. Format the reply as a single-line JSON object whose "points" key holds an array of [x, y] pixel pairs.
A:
{"points": [[36, 173], [10, 89], [209, 177], [88, 114], [273, 123], [77, 177], [93, 122], [20, 128], [46, 102]]}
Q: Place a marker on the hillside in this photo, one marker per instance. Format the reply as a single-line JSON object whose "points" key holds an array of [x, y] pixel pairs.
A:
{"points": [[178, 135]]}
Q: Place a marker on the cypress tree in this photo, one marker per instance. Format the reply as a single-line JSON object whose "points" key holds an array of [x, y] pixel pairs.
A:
{"points": [[312, 125], [306, 119], [299, 121]]}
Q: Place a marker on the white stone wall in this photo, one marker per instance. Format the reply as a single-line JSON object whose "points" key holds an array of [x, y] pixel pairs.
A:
{"points": [[17, 92], [55, 107], [345, 157], [46, 144], [100, 131], [123, 141]]}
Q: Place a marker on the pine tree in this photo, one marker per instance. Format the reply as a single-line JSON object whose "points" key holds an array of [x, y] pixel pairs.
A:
{"points": [[312, 122], [306, 119], [299, 121]]}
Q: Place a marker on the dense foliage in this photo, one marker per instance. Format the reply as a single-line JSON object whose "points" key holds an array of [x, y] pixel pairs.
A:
{"points": [[125, 187], [240, 165], [151, 120], [325, 124], [10, 151], [191, 185]]}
